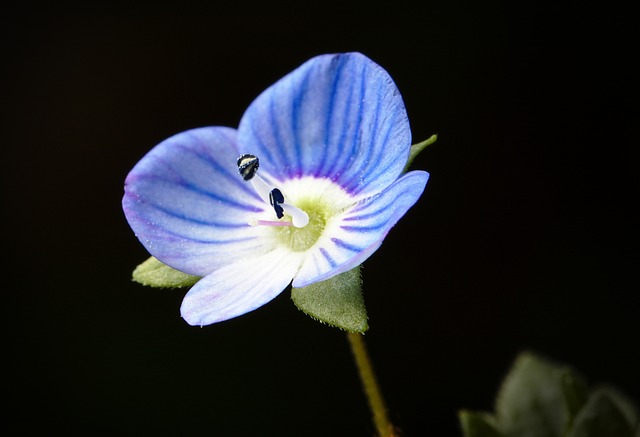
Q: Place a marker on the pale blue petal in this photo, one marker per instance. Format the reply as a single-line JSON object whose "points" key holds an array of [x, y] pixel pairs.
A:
{"points": [[240, 287], [339, 117], [189, 206], [357, 233]]}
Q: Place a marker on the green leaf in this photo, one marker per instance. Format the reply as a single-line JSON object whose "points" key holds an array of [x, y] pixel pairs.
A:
{"points": [[626, 406], [531, 401], [417, 148], [337, 301], [541, 399], [606, 413], [156, 274], [475, 424], [575, 392]]}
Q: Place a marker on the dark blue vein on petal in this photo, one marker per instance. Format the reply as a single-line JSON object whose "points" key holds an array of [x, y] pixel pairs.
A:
{"points": [[363, 229], [377, 211], [226, 201], [264, 150], [276, 143], [299, 100], [385, 140], [363, 155], [337, 64], [203, 241], [328, 257], [177, 215], [342, 158], [215, 163], [374, 130], [343, 244], [219, 170], [361, 174], [279, 145], [377, 172], [368, 215], [376, 148]]}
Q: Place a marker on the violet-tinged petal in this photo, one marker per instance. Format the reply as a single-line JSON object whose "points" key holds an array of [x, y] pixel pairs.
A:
{"points": [[337, 116], [189, 207], [240, 287], [352, 237]]}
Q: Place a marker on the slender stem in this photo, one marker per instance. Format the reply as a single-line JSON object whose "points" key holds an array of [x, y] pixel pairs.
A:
{"points": [[370, 385]]}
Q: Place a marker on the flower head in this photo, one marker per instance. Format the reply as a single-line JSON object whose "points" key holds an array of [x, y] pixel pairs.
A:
{"points": [[306, 188]]}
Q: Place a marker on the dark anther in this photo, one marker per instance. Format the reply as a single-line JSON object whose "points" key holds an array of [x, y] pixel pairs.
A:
{"points": [[276, 198], [248, 165]]}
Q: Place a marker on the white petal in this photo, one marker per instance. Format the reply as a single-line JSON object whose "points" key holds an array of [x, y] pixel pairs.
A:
{"points": [[240, 287]]}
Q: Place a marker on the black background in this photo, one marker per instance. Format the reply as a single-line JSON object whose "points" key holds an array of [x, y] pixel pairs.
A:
{"points": [[525, 238]]}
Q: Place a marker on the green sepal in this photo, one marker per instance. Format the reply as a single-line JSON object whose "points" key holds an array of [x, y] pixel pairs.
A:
{"points": [[337, 301], [606, 413], [417, 148], [533, 398], [476, 424], [154, 273]]}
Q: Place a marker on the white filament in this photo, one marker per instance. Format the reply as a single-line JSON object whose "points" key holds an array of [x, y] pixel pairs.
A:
{"points": [[299, 218]]}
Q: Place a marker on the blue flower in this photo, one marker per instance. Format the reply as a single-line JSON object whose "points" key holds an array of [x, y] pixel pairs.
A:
{"points": [[306, 188]]}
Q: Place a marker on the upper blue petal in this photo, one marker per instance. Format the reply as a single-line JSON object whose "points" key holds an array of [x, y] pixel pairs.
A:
{"points": [[189, 206], [337, 116]]}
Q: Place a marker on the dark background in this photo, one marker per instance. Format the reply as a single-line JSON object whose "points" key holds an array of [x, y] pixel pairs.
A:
{"points": [[525, 238]]}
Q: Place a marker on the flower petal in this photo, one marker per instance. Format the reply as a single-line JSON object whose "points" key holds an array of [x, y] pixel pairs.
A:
{"points": [[239, 288], [189, 206], [357, 233], [337, 116]]}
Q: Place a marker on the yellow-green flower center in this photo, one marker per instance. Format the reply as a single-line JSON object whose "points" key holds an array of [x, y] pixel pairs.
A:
{"points": [[301, 239], [322, 200]]}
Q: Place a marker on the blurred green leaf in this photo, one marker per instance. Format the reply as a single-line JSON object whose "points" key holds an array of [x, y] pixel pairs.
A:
{"points": [[605, 414], [575, 392], [626, 406], [541, 399], [476, 424], [154, 273], [531, 401], [337, 301]]}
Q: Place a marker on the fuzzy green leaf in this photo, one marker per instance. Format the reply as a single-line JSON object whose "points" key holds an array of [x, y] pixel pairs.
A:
{"points": [[606, 413], [476, 424], [531, 401], [156, 274], [337, 301]]}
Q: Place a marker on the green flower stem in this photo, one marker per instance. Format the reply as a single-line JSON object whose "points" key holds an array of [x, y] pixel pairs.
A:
{"points": [[370, 385]]}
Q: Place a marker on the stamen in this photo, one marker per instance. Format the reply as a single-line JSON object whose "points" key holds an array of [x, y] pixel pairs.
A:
{"points": [[262, 187], [275, 199], [247, 167], [299, 218]]}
